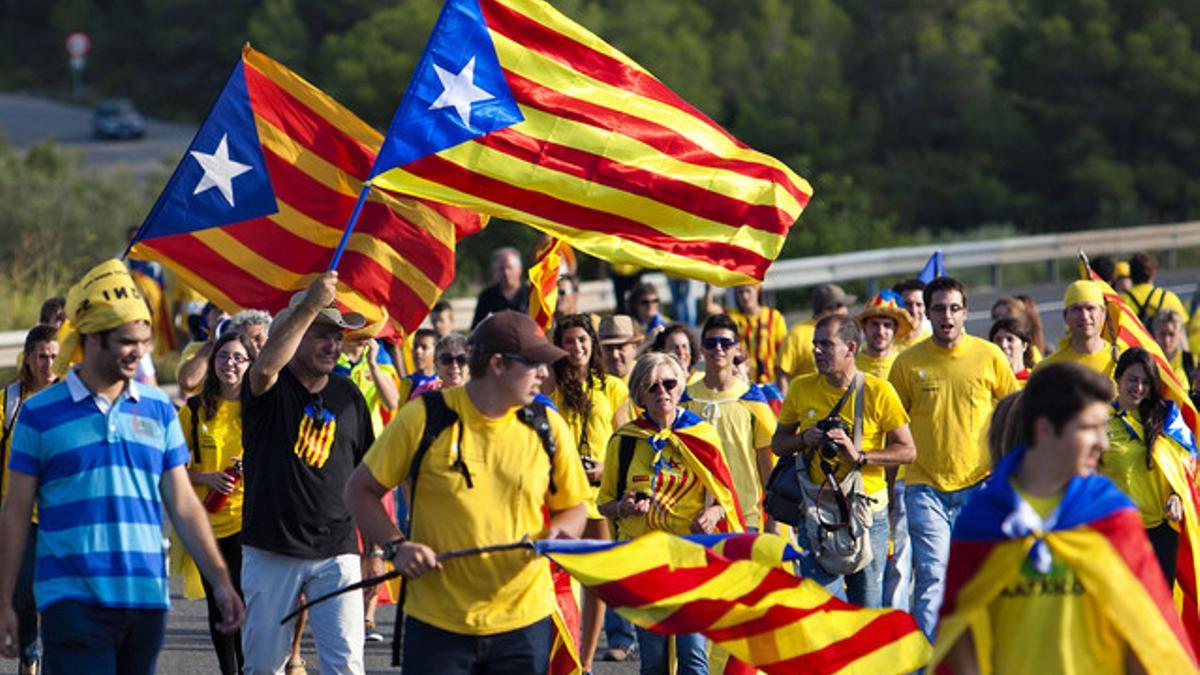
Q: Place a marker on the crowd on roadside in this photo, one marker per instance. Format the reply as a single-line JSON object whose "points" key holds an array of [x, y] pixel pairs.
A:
{"points": [[289, 466]]}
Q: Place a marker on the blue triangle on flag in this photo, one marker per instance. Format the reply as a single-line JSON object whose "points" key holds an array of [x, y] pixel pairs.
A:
{"points": [[458, 91], [222, 178], [934, 268]]}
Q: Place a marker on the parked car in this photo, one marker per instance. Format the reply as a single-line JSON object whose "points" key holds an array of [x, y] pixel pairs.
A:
{"points": [[118, 118]]}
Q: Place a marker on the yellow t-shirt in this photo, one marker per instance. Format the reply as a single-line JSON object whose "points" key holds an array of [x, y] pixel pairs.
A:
{"points": [[1148, 295], [949, 395], [1052, 609], [811, 398], [1101, 361], [796, 355], [591, 435], [910, 340], [616, 390], [220, 442], [676, 494], [1125, 464], [762, 337], [879, 366], [510, 471], [743, 427]]}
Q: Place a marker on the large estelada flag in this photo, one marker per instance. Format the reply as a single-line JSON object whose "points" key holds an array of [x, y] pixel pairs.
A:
{"points": [[1123, 330], [732, 589], [516, 111], [1097, 533], [260, 200]]}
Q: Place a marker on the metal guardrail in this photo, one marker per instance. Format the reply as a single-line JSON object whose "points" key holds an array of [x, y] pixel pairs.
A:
{"points": [[597, 296]]}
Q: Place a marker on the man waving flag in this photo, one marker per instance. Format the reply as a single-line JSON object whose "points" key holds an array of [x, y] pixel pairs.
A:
{"points": [[516, 111]]}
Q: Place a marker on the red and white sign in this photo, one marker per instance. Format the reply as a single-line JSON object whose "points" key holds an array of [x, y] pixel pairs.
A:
{"points": [[78, 45]]}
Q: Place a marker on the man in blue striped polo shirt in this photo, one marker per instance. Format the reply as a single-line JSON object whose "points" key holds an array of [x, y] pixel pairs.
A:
{"points": [[101, 455]]}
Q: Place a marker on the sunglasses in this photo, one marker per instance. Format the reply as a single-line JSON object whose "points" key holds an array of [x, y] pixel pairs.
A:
{"points": [[712, 343], [648, 301], [451, 359], [517, 358], [667, 386]]}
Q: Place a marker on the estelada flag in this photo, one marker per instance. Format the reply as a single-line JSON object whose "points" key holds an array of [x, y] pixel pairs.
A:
{"points": [[516, 111], [732, 589], [700, 447], [260, 200], [1123, 330], [1096, 532]]}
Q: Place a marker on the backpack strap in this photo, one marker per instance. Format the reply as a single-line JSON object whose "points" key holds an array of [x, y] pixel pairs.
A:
{"points": [[624, 459], [859, 403], [193, 404], [534, 416], [12, 406]]}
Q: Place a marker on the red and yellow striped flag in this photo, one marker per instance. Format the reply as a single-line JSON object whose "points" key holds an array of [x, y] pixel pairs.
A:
{"points": [[543, 283], [744, 603], [516, 111], [260, 200]]}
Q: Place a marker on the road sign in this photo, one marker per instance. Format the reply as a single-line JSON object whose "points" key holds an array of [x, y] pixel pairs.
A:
{"points": [[78, 45]]}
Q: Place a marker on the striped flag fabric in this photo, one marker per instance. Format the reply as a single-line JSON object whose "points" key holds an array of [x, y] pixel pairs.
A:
{"points": [[259, 201], [516, 111], [732, 589], [543, 283], [1124, 330]]}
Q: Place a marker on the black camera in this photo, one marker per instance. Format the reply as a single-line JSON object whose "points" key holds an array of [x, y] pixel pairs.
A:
{"points": [[828, 447], [588, 465]]}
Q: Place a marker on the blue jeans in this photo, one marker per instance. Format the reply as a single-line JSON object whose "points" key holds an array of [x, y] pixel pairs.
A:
{"points": [[428, 649], [897, 577], [864, 587], [690, 653], [682, 307], [81, 638], [618, 631], [931, 516]]}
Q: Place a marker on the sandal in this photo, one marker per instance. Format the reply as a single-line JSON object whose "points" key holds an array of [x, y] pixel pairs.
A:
{"points": [[295, 667]]}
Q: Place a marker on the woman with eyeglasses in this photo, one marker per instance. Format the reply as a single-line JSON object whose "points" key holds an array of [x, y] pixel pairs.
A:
{"points": [[666, 471], [588, 400], [1141, 449], [212, 427], [646, 308]]}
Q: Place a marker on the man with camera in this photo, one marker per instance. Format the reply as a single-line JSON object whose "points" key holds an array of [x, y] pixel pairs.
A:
{"points": [[817, 421]]}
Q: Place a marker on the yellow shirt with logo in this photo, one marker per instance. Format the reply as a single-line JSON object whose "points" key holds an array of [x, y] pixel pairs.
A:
{"points": [[762, 337], [879, 366], [220, 441], [591, 434], [1125, 464], [510, 471], [743, 427], [949, 395], [811, 398], [796, 355], [1054, 609], [1102, 361], [676, 494]]}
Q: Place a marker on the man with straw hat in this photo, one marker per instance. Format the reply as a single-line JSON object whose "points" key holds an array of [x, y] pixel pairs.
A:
{"points": [[303, 430], [885, 323], [103, 454]]}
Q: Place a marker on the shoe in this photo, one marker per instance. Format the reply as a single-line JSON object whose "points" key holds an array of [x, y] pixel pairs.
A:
{"points": [[373, 634], [295, 667], [617, 653]]}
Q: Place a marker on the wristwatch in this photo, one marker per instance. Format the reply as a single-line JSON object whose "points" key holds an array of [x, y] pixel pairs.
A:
{"points": [[389, 549]]}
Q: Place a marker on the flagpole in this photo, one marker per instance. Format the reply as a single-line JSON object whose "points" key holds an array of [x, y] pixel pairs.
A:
{"points": [[358, 207]]}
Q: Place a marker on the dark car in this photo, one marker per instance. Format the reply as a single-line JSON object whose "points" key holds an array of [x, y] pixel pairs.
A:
{"points": [[118, 118]]}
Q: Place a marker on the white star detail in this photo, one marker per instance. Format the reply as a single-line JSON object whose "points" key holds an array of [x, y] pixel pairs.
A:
{"points": [[219, 170], [459, 91]]}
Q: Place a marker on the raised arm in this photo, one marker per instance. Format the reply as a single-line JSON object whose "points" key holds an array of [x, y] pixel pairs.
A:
{"points": [[285, 338]]}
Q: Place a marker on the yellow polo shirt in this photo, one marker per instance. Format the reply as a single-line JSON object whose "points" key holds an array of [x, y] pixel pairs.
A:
{"points": [[510, 471], [949, 395], [811, 398]]}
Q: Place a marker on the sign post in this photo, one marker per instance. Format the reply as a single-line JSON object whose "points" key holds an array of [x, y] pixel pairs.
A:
{"points": [[78, 46]]}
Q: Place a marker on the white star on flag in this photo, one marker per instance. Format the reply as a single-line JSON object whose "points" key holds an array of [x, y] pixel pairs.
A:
{"points": [[459, 91], [219, 170]]}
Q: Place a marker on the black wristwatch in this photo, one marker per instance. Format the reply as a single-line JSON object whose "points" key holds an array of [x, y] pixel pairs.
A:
{"points": [[390, 548]]}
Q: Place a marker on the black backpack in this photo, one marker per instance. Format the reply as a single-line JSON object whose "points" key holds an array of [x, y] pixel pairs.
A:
{"points": [[1147, 310], [438, 418]]}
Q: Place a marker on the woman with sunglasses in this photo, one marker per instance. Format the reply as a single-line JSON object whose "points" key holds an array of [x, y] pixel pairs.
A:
{"points": [[675, 480], [1142, 448], [212, 427], [588, 400], [449, 363]]}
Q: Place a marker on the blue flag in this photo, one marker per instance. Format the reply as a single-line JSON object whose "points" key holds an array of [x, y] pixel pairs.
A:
{"points": [[934, 268]]}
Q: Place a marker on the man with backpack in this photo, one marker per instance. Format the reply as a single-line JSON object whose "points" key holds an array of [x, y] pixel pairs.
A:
{"points": [[481, 462], [848, 426], [1143, 296]]}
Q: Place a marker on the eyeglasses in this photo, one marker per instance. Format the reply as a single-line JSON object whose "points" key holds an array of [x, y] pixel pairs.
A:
{"points": [[724, 343], [451, 359], [944, 309], [647, 301], [517, 358], [236, 357], [667, 386]]}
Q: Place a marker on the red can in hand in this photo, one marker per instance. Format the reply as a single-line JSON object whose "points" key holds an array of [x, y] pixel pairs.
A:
{"points": [[215, 500]]}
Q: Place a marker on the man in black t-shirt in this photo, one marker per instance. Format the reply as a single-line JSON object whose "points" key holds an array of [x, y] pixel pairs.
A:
{"points": [[303, 432], [508, 289]]}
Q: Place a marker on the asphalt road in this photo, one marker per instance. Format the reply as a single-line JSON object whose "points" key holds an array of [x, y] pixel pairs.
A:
{"points": [[27, 120]]}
